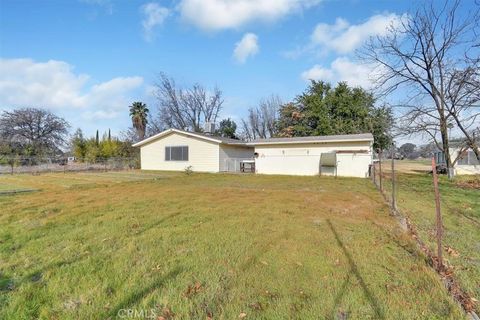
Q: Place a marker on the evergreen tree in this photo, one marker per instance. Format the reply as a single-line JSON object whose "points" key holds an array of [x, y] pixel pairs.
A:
{"points": [[227, 129], [323, 110]]}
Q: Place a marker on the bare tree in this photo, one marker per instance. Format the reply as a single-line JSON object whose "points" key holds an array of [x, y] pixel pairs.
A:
{"points": [[38, 130], [463, 98], [261, 121], [184, 108], [427, 55]]}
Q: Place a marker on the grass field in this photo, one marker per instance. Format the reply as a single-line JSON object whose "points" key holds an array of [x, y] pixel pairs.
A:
{"points": [[93, 245], [460, 207]]}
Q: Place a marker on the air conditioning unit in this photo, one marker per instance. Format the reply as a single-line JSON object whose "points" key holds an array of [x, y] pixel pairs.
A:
{"points": [[209, 127]]}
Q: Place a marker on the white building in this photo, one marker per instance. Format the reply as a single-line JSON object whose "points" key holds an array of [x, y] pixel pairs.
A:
{"points": [[342, 155], [176, 150], [467, 162]]}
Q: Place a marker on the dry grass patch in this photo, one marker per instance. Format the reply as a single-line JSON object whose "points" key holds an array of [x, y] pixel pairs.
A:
{"points": [[209, 245]]}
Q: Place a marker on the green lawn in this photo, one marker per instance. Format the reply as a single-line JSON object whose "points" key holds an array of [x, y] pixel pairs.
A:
{"points": [[460, 207], [91, 245]]}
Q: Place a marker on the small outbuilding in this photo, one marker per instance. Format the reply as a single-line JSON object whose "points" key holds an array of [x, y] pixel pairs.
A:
{"points": [[177, 150]]}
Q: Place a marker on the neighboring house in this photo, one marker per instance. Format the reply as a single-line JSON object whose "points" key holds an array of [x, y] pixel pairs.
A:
{"points": [[343, 155], [467, 162], [175, 150]]}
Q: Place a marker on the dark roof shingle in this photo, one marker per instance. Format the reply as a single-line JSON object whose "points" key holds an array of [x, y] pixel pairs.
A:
{"points": [[343, 137]]}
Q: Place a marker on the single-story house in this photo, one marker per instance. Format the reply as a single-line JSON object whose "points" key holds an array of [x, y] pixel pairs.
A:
{"points": [[467, 162], [175, 150], [342, 155]]}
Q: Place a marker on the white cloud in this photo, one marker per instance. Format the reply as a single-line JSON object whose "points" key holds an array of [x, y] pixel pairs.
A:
{"points": [[153, 15], [343, 69], [232, 14], [246, 47], [53, 84], [343, 38], [318, 72]]}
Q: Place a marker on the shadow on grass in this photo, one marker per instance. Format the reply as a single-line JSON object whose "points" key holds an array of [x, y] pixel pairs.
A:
{"points": [[354, 270], [138, 295], [408, 247], [6, 283], [37, 275], [158, 222]]}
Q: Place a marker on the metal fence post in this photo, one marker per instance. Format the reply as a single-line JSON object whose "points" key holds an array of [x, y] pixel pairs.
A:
{"points": [[394, 199], [439, 223], [374, 179], [380, 168]]}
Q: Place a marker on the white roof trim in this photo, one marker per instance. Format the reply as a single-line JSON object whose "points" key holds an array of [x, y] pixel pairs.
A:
{"points": [[168, 131]]}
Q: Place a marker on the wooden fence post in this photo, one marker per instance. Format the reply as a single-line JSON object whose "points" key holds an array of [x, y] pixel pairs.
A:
{"points": [[439, 223]]}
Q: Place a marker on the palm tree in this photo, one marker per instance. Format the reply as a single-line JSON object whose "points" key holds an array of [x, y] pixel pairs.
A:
{"points": [[138, 113]]}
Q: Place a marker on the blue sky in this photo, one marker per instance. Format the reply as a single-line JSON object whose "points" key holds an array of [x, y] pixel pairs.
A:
{"points": [[88, 60]]}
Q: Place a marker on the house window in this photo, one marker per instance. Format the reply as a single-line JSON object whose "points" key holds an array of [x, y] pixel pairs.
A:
{"points": [[179, 153]]}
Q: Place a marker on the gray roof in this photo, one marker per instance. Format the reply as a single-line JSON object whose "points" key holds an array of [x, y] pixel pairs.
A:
{"points": [[222, 139], [212, 138], [312, 139], [218, 139]]}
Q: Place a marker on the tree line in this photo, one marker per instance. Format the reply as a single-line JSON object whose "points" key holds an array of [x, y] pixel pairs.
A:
{"points": [[431, 56], [95, 148], [322, 109], [34, 133]]}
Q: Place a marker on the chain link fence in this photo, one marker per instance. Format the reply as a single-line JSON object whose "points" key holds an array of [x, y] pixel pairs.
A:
{"points": [[34, 165], [440, 214]]}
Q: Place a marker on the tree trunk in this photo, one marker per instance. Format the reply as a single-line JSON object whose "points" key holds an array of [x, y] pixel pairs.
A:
{"points": [[471, 138], [445, 145]]}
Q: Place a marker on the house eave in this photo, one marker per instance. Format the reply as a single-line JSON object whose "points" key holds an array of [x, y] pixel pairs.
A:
{"points": [[306, 142], [168, 131]]}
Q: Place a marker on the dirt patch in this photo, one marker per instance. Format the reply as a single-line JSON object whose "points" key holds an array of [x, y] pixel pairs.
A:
{"points": [[412, 166], [469, 184]]}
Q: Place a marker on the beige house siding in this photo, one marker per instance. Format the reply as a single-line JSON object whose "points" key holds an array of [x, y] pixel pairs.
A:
{"points": [[230, 156], [465, 169], [203, 156], [304, 158]]}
